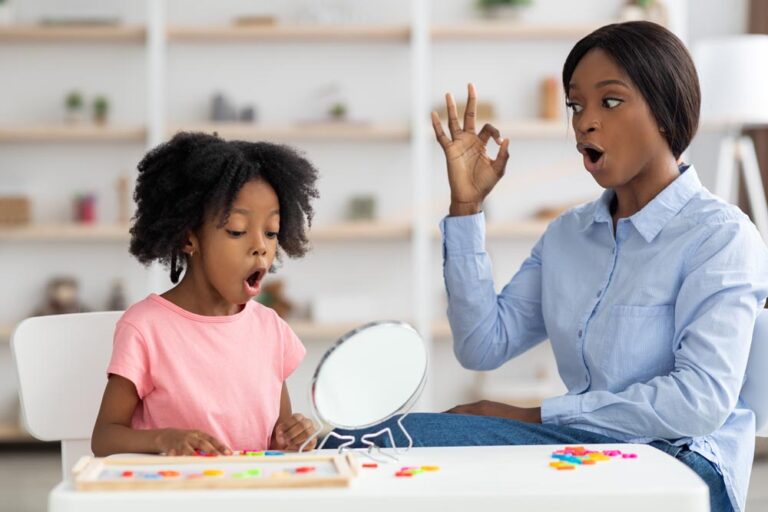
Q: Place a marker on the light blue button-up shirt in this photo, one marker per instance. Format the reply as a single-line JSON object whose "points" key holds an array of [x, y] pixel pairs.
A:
{"points": [[651, 326]]}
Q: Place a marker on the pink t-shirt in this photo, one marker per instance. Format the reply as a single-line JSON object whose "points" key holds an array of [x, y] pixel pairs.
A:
{"points": [[219, 374]]}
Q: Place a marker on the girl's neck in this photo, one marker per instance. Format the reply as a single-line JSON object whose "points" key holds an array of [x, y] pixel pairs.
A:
{"points": [[196, 295]]}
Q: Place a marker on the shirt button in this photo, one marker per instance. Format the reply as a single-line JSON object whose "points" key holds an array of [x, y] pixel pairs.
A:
{"points": [[580, 333]]}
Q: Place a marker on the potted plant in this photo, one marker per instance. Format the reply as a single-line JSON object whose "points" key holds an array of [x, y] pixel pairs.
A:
{"points": [[74, 106], [100, 109], [502, 9]]}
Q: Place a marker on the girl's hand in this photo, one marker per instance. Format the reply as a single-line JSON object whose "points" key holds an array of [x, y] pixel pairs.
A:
{"points": [[173, 441], [471, 173], [499, 410], [290, 434]]}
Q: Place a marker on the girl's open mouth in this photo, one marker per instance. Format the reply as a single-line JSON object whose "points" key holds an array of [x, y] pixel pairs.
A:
{"points": [[253, 281]]}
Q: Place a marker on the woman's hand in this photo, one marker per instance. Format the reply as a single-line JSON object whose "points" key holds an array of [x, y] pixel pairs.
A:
{"points": [[289, 435], [173, 441], [471, 173], [499, 410]]}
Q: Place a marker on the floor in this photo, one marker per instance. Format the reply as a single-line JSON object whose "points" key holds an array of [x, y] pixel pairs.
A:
{"points": [[27, 476]]}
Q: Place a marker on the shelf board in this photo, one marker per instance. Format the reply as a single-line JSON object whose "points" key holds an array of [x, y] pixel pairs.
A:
{"points": [[73, 33], [535, 128], [280, 32], [490, 30], [72, 133], [362, 231], [321, 131], [13, 433], [66, 233], [5, 333], [349, 231]]}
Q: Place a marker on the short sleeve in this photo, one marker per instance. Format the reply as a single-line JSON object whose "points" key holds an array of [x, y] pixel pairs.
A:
{"points": [[293, 349], [130, 358]]}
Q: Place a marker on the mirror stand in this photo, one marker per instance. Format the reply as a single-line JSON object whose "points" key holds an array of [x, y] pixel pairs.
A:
{"points": [[365, 439]]}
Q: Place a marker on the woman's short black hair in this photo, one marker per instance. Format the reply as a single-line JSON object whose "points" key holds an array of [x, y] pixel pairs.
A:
{"points": [[195, 175], [660, 67]]}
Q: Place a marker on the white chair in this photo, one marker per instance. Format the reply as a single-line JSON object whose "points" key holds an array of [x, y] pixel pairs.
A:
{"points": [[61, 361]]}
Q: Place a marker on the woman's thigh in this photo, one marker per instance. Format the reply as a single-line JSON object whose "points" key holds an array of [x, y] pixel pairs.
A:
{"points": [[440, 429]]}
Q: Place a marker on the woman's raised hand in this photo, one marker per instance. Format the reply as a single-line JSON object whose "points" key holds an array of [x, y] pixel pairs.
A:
{"points": [[471, 172]]}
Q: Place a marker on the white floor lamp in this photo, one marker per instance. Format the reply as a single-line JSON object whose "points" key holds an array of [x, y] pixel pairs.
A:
{"points": [[733, 72]]}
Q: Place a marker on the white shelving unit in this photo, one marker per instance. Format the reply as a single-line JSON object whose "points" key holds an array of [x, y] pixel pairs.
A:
{"points": [[411, 237]]}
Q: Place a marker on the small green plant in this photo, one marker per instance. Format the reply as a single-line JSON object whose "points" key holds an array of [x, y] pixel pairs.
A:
{"points": [[74, 99], [338, 111], [100, 109]]}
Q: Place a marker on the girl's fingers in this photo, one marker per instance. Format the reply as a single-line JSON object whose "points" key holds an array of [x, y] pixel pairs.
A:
{"points": [[205, 446], [442, 138], [453, 117], [470, 113], [220, 447], [487, 132], [299, 428]]}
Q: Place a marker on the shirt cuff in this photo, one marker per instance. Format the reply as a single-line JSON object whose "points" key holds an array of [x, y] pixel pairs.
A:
{"points": [[463, 234], [561, 410]]}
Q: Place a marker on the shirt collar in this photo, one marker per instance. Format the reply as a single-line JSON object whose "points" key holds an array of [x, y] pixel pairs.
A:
{"points": [[660, 210]]}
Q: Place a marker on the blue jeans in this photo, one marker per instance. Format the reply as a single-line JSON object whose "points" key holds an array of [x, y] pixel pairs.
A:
{"points": [[435, 429]]}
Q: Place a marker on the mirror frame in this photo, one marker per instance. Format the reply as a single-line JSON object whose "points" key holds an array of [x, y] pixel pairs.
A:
{"points": [[343, 339]]}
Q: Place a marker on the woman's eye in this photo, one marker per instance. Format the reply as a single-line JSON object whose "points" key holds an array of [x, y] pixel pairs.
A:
{"points": [[574, 106], [236, 234], [611, 102], [271, 234]]}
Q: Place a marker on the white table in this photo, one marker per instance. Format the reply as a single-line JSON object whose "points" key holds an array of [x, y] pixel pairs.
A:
{"points": [[471, 479]]}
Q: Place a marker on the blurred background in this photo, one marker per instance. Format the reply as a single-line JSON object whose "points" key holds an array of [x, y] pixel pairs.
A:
{"points": [[89, 86]]}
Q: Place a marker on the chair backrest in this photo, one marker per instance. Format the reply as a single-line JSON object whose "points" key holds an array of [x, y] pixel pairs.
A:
{"points": [[755, 390], [61, 361]]}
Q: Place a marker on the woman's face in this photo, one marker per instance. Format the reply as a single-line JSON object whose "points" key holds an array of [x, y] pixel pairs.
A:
{"points": [[615, 130]]}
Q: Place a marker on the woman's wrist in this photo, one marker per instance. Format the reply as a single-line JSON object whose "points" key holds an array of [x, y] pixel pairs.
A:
{"points": [[458, 209]]}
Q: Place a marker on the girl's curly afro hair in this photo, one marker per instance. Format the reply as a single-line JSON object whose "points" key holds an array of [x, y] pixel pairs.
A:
{"points": [[194, 175]]}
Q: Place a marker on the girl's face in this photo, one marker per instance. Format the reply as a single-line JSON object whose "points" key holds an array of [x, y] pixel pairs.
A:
{"points": [[235, 257], [615, 130]]}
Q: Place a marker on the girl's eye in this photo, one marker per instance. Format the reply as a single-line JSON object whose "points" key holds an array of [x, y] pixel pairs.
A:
{"points": [[236, 234], [611, 102], [574, 106], [271, 234]]}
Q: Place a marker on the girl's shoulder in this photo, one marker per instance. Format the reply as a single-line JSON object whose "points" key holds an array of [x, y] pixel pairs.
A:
{"points": [[141, 313]]}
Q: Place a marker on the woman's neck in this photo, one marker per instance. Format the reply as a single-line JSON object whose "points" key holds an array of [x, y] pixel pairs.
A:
{"points": [[634, 195]]}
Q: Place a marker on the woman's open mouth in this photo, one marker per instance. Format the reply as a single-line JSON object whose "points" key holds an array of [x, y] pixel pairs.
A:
{"points": [[593, 156]]}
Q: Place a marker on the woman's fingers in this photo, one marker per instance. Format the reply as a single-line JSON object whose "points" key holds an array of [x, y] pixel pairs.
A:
{"points": [[470, 113], [501, 158], [442, 138], [453, 116], [489, 131]]}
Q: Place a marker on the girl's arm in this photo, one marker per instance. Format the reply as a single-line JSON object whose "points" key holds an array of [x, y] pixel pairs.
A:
{"points": [[113, 433]]}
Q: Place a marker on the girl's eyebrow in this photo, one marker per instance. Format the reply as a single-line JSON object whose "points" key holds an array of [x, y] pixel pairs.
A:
{"points": [[245, 211]]}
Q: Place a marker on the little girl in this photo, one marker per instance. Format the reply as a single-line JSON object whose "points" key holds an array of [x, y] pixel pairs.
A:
{"points": [[202, 367]]}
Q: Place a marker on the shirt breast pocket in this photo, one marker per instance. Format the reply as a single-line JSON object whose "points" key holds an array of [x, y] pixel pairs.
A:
{"points": [[638, 344]]}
